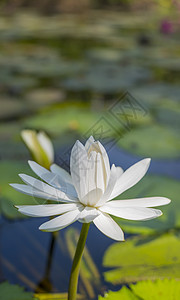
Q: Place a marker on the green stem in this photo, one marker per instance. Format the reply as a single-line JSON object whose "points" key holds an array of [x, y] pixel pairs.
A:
{"points": [[73, 282]]}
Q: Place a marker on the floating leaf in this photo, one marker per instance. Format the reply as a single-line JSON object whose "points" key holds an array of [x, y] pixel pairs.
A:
{"points": [[102, 55], [124, 294], [154, 141], [143, 258], [151, 186], [51, 296], [59, 296], [64, 118], [14, 292], [167, 289]]}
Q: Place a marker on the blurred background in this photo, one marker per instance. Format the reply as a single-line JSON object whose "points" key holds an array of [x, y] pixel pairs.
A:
{"points": [[74, 69]]}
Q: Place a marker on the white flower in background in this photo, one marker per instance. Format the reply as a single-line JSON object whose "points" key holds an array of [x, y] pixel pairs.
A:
{"points": [[88, 192], [40, 146]]}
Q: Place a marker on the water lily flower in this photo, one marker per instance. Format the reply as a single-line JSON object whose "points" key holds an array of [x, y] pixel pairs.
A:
{"points": [[40, 146], [87, 193]]}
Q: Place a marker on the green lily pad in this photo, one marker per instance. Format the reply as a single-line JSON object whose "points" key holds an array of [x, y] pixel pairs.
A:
{"points": [[58, 296], [142, 258], [110, 55], [151, 186], [155, 141], [124, 294], [14, 292], [64, 118], [166, 289]]}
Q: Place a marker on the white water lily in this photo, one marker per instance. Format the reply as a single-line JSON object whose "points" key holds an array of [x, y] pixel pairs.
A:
{"points": [[87, 194], [40, 146]]}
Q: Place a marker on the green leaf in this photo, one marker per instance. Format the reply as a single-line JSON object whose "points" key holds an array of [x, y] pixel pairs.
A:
{"points": [[143, 258], [64, 118], [59, 296], [167, 289], [14, 292], [154, 141], [151, 186], [124, 294]]}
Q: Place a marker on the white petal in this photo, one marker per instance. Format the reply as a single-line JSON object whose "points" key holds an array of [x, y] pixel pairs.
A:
{"points": [[112, 181], [97, 147], [109, 227], [91, 172], [140, 202], [119, 171], [130, 177], [78, 166], [29, 190], [39, 185], [61, 172], [46, 210], [94, 175], [46, 144], [131, 213], [105, 160], [60, 222], [53, 179], [89, 142], [92, 197], [88, 214], [100, 179]]}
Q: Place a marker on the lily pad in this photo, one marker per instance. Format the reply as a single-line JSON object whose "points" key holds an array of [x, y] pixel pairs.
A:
{"points": [[151, 186], [14, 292], [43, 96], [155, 141], [110, 55], [167, 289], [124, 294], [143, 258], [59, 296], [64, 118]]}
